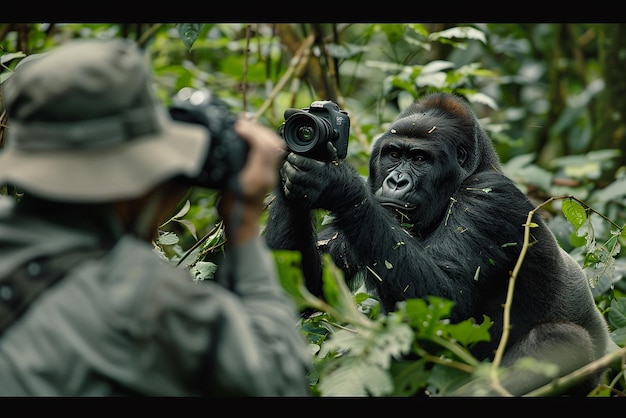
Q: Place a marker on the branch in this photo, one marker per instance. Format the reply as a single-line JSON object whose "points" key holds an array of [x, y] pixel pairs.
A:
{"points": [[296, 63], [579, 374], [506, 325]]}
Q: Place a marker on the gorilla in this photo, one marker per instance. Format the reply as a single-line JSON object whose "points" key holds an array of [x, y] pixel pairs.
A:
{"points": [[437, 216]]}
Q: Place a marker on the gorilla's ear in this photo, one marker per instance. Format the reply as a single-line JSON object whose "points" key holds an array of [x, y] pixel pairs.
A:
{"points": [[461, 155]]}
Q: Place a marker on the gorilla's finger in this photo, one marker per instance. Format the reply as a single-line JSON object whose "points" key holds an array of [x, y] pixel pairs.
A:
{"points": [[287, 187], [304, 163], [290, 171], [332, 151], [281, 170]]}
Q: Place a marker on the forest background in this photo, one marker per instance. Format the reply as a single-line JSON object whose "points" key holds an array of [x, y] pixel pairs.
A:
{"points": [[552, 96]]}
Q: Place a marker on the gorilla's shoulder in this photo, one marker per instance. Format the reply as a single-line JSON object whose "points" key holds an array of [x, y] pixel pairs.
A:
{"points": [[492, 192], [491, 180]]}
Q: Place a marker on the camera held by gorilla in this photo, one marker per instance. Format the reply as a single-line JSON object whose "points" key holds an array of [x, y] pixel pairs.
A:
{"points": [[308, 131], [227, 151]]}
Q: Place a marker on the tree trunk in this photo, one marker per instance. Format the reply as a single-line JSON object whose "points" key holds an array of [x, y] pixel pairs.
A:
{"points": [[611, 106]]}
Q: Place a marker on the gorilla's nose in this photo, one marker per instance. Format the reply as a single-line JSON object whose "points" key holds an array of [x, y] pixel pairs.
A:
{"points": [[397, 183]]}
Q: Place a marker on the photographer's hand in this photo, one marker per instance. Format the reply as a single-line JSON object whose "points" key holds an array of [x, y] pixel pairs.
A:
{"points": [[258, 176]]}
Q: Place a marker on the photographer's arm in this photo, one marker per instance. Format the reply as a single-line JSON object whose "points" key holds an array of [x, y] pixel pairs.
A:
{"points": [[258, 176], [273, 358]]}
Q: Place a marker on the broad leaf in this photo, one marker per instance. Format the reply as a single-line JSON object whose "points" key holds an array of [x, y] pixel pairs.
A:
{"points": [[574, 212]]}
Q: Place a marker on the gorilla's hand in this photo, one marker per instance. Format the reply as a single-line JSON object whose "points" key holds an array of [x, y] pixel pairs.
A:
{"points": [[316, 184]]}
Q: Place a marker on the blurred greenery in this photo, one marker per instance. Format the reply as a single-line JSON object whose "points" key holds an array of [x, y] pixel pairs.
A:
{"points": [[551, 96]]}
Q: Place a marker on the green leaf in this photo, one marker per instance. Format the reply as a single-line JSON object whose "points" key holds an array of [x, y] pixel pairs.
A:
{"points": [[338, 295], [353, 377], [203, 270], [9, 56], [315, 329], [409, 376], [436, 66], [612, 244], [444, 379], [345, 51], [469, 331], [183, 211], [459, 32], [290, 274], [426, 315], [613, 191], [619, 336], [189, 32], [189, 225], [574, 213], [167, 238], [577, 241], [617, 313], [393, 32], [388, 343], [364, 355]]}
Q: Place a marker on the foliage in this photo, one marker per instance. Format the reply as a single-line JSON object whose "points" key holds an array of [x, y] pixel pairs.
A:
{"points": [[415, 349], [535, 99]]}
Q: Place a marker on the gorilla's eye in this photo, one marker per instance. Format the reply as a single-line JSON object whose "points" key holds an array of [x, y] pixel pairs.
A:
{"points": [[420, 155], [391, 151]]}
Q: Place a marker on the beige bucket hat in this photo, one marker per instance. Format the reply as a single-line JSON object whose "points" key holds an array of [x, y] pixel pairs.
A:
{"points": [[85, 126]]}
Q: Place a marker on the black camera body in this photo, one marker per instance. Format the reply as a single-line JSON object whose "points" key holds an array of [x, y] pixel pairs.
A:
{"points": [[227, 151], [308, 131]]}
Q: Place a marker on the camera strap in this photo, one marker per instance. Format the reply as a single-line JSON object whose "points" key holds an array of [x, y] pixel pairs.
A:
{"points": [[21, 288], [235, 219]]}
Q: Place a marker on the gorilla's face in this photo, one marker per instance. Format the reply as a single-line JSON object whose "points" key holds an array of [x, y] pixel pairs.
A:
{"points": [[415, 177]]}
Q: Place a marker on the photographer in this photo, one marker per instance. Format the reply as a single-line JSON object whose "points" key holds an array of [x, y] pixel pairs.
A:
{"points": [[101, 165]]}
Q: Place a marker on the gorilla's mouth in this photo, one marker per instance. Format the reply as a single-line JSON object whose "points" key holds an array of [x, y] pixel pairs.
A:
{"points": [[403, 211], [396, 204]]}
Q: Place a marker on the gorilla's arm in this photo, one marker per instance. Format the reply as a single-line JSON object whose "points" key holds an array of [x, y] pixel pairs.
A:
{"points": [[290, 226], [365, 235], [467, 258]]}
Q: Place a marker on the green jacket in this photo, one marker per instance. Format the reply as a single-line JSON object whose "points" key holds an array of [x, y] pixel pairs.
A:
{"points": [[128, 323]]}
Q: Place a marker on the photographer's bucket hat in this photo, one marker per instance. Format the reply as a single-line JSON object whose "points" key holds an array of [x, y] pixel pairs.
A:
{"points": [[84, 125]]}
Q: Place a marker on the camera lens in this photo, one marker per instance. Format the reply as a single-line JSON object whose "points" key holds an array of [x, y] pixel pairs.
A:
{"points": [[304, 131]]}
